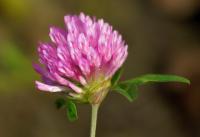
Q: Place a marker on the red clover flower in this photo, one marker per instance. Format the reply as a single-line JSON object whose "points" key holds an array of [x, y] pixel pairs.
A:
{"points": [[84, 61], [83, 58]]}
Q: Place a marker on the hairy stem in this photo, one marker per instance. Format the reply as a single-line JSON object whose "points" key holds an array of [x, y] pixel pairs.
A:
{"points": [[95, 108]]}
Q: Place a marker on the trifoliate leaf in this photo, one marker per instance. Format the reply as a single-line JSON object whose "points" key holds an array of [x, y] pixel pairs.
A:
{"points": [[156, 78], [60, 103], [116, 77], [127, 90], [71, 111]]}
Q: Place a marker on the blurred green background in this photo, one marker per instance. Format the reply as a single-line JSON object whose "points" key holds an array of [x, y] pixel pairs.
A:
{"points": [[163, 37]]}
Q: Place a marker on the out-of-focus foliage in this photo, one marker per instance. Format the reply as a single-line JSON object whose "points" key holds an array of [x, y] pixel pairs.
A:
{"points": [[16, 69], [15, 8]]}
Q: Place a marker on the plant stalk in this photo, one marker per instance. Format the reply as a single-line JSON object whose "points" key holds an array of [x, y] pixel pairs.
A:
{"points": [[95, 108]]}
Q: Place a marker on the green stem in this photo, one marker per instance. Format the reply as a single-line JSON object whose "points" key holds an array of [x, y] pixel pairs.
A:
{"points": [[95, 108]]}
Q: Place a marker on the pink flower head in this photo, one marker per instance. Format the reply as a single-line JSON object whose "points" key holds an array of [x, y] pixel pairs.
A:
{"points": [[89, 51]]}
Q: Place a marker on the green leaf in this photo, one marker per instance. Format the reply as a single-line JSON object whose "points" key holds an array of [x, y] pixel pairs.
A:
{"points": [[60, 103], [71, 111], [116, 77], [129, 91], [156, 78], [129, 88]]}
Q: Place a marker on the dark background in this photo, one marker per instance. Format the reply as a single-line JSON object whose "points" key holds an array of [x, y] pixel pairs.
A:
{"points": [[163, 37]]}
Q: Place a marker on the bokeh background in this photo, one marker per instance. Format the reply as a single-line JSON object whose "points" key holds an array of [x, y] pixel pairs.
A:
{"points": [[163, 37]]}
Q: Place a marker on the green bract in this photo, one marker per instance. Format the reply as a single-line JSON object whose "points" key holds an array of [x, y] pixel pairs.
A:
{"points": [[71, 111], [70, 106]]}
